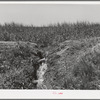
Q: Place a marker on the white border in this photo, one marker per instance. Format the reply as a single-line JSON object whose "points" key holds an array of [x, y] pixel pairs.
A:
{"points": [[50, 94], [50, 2]]}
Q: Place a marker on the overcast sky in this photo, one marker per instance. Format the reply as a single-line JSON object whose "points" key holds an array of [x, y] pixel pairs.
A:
{"points": [[44, 14]]}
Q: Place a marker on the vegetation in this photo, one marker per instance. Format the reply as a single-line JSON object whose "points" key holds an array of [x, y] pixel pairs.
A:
{"points": [[48, 35], [75, 65], [17, 65], [73, 59]]}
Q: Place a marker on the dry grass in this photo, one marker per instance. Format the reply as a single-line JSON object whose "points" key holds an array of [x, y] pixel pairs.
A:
{"points": [[78, 66]]}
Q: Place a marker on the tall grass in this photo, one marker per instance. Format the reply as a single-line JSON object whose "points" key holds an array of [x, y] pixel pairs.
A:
{"points": [[48, 35]]}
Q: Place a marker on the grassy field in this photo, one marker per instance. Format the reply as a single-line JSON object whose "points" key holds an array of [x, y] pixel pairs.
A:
{"points": [[73, 55], [49, 35]]}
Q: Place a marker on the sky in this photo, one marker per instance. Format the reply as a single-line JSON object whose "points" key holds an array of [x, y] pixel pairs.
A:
{"points": [[45, 14]]}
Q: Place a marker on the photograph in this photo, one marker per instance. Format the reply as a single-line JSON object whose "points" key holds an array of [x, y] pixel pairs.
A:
{"points": [[49, 46]]}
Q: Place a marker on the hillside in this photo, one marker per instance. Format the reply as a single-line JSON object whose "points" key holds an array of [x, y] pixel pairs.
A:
{"points": [[74, 64]]}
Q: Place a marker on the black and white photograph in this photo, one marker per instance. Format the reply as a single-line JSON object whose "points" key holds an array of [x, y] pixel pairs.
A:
{"points": [[50, 46]]}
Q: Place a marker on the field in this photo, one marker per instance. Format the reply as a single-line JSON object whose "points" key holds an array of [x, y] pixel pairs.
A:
{"points": [[73, 55]]}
